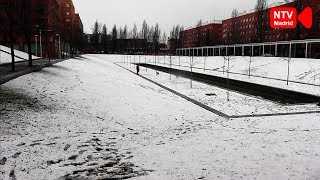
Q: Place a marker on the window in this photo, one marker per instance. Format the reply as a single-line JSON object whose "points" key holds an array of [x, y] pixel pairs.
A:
{"points": [[67, 5], [67, 20], [67, 13]]}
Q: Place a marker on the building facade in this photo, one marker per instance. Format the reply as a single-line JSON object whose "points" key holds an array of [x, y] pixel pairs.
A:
{"points": [[251, 35], [207, 35], [46, 20], [245, 28]]}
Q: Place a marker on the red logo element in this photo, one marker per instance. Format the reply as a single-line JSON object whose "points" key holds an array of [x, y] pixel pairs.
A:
{"points": [[305, 17], [287, 18]]}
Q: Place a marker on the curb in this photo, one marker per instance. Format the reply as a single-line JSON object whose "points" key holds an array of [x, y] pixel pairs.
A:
{"points": [[15, 75]]}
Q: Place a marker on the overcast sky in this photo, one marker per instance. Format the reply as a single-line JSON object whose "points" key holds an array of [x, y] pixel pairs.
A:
{"points": [[166, 12]]}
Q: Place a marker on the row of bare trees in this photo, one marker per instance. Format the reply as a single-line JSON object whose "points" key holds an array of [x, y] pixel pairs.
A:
{"points": [[16, 21], [22, 19], [152, 35]]}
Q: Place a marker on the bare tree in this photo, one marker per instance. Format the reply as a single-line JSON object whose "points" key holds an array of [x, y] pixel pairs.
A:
{"points": [[234, 26], [150, 34], [288, 60], [193, 61], [260, 14], [13, 22], [192, 64], [135, 37], [227, 59], [125, 32], [156, 38], [144, 34], [200, 23], [135, 32], [104, 38], [96, 32], [249, 64], [144, 30], [114, 38], [24, 10], [120, 33], [204, 63], [164, 38]]}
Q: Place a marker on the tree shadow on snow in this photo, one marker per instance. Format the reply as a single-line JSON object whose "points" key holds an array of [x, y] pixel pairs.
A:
{"points": [[63, 68], [50, 72], [15, 100]]}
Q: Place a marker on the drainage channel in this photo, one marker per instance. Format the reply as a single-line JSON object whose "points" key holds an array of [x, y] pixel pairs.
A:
{"points": [[283, 96]]}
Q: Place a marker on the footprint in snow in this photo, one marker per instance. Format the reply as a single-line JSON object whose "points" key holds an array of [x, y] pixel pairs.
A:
{"points": [[67, 147], [16, 155], [3, 161]]}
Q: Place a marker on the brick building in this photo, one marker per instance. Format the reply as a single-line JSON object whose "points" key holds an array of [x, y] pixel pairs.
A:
{"points": [[245, 35], [243, 29], [46, 17], [207, 35]]}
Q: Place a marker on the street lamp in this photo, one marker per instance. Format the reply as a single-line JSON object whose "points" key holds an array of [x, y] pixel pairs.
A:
{"points": [[40, 32], [59, 46], [36, 41]]}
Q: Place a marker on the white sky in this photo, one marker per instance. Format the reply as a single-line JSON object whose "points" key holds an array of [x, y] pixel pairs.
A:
{"points": [[166, 12]]}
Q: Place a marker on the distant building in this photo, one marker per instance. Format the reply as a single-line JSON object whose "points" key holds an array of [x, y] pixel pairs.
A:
{"points": [[206, 35], [245, 26], [107, 45], [246, 35]]}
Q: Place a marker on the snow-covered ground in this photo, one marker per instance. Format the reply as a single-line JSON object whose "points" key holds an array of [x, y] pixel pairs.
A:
{"points": [[216, 98], [6, 58], [89, 117], [301, 70]]}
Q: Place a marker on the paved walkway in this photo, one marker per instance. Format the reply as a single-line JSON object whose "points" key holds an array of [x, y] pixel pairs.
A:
{"points": [[22, 68]]}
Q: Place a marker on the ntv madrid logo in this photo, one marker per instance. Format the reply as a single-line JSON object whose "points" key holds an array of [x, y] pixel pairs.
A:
{"points": [[287, 18]]}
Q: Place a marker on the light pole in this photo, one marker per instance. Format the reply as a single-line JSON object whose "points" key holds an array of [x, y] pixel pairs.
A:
{"points": [[40, 38], [59, 46], [40, 44], [36, 41]]}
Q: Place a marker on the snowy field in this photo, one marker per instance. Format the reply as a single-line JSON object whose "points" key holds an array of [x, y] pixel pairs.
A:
{"points": [[87, 117], [6, 58], [268, 71], [216, 98]]}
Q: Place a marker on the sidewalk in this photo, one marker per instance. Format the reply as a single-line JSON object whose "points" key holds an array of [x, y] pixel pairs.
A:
{"points": [[22, 68]]}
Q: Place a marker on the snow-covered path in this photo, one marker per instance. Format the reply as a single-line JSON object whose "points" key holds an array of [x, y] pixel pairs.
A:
{"points": [[88, 117]]}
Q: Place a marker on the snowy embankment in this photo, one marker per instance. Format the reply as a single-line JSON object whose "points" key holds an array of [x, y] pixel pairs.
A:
{"points": [[217, 98], [89, 118], [271, 71], [6, 58]]}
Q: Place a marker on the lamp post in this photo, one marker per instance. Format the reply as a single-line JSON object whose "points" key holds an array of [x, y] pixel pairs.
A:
{"points": [[59, 46], [36, 41], [40, 46], [40, 38]]}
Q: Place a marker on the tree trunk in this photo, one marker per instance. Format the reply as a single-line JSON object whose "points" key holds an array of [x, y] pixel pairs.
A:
{"points": [[13, 66], [288, 75], [250, 67], [28, 41], [228, 81]]}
